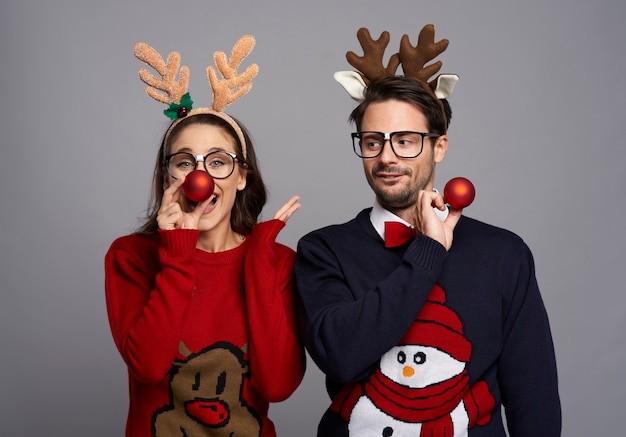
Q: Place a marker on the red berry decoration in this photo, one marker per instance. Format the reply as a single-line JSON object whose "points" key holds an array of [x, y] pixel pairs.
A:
{"points": [[198, 186], [459, 193]]}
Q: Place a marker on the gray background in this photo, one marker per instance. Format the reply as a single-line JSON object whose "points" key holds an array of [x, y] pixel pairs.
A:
{"points": [[539, 116]]}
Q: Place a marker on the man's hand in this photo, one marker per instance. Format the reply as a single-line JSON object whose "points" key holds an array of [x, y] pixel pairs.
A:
{"points": [[428, 223]]}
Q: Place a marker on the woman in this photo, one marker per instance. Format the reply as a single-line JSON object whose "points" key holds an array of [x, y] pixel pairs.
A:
{"points": [[200, 299]]}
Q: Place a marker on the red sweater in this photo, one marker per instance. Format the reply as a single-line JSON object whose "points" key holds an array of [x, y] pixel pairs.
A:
{"points": [[209, 338]]}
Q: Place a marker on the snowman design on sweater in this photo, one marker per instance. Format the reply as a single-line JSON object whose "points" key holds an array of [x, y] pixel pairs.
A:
{"points": [[421, 386]]}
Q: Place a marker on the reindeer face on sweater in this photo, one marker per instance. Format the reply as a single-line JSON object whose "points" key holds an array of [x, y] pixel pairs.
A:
{"points": [[205, 394]]}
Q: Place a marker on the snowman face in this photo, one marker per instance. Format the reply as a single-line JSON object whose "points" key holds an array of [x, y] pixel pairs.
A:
{"points": [[418, 366]]}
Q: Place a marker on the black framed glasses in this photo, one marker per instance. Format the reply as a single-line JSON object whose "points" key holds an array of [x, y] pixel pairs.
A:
{"points": [[405, 144], [219, 164]]}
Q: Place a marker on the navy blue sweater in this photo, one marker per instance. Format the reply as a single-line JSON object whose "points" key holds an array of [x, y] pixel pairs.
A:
{"points": [[416, 339]]}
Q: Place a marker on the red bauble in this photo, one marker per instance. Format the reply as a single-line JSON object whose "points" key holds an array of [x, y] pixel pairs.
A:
{"points": [[459, 193], [198, 186]]}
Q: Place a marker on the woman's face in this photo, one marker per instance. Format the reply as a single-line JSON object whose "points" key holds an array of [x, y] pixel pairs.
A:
{"points": [[201, 139]]}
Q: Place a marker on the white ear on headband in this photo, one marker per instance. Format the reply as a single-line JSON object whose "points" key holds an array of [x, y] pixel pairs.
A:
{"points": [[352, 82], [445, 85]]}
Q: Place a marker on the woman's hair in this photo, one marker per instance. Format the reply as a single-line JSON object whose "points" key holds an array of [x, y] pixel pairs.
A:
{"points": [[249, 202], [409, 90]]}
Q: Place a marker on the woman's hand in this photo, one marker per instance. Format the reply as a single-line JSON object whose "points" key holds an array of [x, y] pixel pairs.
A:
{"points": [[171, 214], [288, 209]]}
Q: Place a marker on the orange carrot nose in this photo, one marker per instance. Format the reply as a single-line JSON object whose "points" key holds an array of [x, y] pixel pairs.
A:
{"points": [[407, 371]]}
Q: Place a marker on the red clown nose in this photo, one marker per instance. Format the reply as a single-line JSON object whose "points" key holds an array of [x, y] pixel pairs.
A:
{"points": [[198, 186]]}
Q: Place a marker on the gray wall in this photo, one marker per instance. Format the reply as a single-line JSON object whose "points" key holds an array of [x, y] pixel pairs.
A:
{"points": [[539, 123]]}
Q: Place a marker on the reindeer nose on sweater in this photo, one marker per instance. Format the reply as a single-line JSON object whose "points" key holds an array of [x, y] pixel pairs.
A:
{"points": [[408, 371], [208, 412]]}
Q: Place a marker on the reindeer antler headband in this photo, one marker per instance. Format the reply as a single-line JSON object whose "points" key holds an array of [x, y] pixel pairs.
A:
{"points": [[166, 88], [413, 60]]}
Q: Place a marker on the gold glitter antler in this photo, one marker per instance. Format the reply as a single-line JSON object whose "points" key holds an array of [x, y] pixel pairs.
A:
{"points": [[163, 88], [233, 85], [370, 65], [414, 59]]}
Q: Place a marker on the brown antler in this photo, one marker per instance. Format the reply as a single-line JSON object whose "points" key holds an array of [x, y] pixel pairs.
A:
{"points": [[414, 59], [233, 86], [166, 88], [370, 65]]}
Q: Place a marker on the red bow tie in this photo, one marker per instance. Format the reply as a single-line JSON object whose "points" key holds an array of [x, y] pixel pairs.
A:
{"points": [[396, 234]]}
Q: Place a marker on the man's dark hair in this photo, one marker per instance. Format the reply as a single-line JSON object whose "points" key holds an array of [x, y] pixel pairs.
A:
{"points": [[408, 90]]}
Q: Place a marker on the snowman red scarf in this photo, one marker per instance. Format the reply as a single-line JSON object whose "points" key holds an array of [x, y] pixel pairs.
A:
{"points": [[430, 406], [417, 404]]}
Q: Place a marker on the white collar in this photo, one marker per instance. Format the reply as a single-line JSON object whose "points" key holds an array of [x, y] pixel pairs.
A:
{"points": [[380, 215]]}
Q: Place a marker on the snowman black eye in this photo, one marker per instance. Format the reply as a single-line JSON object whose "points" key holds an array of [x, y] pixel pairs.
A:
{"points": [[401, 358], [419, 358], [388, 431]]}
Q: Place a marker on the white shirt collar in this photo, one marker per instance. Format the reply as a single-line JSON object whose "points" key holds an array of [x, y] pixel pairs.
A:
{"points": [[380, 215]]}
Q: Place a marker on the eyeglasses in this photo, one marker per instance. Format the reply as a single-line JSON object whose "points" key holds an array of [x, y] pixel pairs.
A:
{"points": [[219, 164], [405, 144]]}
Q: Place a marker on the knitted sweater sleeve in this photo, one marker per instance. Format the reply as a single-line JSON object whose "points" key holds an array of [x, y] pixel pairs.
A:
{"points": [[147, 299], [527, 371], [357, 302], [277, 359]]}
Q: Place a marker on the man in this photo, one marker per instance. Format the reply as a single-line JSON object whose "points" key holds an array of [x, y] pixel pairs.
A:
{"points": [[432, 336]]}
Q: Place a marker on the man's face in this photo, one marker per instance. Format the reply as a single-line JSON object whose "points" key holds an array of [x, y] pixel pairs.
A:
{"points": [[396, 181]]}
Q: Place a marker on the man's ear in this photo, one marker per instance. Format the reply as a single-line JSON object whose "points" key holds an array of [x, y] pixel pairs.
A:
{"points": [[440, 149]]}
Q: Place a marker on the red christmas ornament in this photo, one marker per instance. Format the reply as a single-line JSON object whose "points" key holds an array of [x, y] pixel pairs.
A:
{"points": [[459, 193], [198, 186]]}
